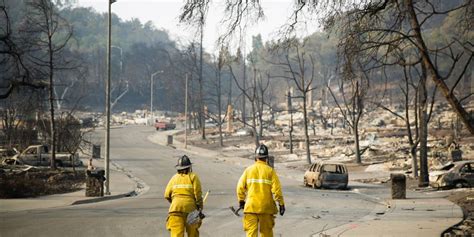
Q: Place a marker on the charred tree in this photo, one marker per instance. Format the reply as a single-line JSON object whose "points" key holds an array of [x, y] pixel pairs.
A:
{"points": [[381, 25], [52, 33], [299, 69]]}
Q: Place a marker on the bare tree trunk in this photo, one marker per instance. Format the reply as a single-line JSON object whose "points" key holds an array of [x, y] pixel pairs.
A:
{"points": [[254, 125], [414, 161], [423, 119], [417, 131], [413, 145], [219, 109], [357, 145], [291, 132], [116, 100], [259, 102], [306, 135], [333, 124], [221, 139], [358, 110], [190, 124], [260, 121], [313, 126], [431, 70], [51, 104]]}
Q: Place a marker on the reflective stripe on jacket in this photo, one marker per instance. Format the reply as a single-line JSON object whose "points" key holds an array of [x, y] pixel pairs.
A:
{"points": [[260, 184], [184, 191]]}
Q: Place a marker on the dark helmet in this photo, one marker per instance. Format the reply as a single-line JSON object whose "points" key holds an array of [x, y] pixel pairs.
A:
{"points": [[183, 163], [261, 152]]}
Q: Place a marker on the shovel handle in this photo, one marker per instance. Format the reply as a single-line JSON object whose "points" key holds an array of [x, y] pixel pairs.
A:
{"points": [[205, 196]]}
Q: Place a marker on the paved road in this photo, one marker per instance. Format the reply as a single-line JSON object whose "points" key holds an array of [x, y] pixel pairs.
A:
{"points": [[308, 211]]}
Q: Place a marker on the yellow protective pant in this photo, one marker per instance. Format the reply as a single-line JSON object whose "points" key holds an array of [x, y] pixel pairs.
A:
{"points": [[176, 224], [253, 221]]}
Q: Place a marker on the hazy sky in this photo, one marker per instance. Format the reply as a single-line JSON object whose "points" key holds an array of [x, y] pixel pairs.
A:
{"points": [[164, 14]]}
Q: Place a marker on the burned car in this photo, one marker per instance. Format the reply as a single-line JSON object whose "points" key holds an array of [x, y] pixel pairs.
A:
{"points": [[327, 175], [39, 155], [459, 174], [7, 152]]}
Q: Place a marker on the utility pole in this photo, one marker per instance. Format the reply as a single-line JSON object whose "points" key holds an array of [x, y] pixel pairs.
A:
{"points": [[245, 88], [290, 110], [107, 103], [201, 81], [151, 95], [151, 100], [186, 114]]}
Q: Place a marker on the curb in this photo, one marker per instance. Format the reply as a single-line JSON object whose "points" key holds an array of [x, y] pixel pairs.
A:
{"points": [[464, 217], [374, 199], [140, 188], [105, 198]]}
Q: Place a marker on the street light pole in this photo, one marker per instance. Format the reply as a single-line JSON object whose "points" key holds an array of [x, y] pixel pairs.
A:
{"points": [[290, 110], [121, 61], [107, 103], [186, 114], [151, 95]]}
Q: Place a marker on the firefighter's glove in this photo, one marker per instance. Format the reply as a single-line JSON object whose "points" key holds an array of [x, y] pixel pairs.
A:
{"points": [[201, 215], [241, 204], [282, 210]]}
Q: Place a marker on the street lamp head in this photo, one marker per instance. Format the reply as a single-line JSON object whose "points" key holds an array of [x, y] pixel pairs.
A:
{"points": [[157, 72]]}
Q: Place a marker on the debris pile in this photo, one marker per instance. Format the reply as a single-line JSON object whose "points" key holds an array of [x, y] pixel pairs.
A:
{"points": [[23, 182], [466, 201]]}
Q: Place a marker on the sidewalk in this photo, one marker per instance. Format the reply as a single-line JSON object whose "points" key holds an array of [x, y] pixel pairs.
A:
{"points": [[120, 186], [418, 215], [409, 217]]}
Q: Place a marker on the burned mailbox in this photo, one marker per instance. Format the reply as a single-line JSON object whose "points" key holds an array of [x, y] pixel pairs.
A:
{"points": [[399, 186], [95, 183], [455, 155], [96, 151]]}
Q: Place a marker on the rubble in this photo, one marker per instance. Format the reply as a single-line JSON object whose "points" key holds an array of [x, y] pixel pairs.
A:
{"points": [[21, 182], [289, 157], [383, 140], [377, 167], [466, 201]]}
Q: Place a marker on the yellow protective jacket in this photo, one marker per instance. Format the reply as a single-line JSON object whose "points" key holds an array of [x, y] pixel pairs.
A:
{"points": [[184, 193], [260, 184]]}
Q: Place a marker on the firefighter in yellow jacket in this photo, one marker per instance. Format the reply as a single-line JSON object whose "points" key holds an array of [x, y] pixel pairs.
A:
{"points": [[184, 193], [257, 191]]}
